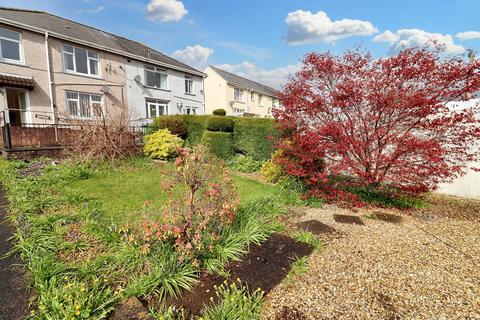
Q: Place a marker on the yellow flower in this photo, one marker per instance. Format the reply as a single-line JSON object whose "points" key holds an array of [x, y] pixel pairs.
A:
{"points": [[77, 312], [77, 306]]}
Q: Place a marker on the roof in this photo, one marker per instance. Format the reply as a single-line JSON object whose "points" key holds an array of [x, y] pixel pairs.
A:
{"points": [[70, 29], [17, 82], [245, 83]]}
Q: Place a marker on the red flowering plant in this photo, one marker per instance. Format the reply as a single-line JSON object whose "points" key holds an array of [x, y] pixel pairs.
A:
{"points": [[193, 220], [379, 122]]}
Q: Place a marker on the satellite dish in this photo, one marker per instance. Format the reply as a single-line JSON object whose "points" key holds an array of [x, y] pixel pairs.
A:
{"points": [[137, 78]]}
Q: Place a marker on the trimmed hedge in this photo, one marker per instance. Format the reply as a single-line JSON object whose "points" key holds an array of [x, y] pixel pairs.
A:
{"points": [[175, 124], [219, 143], [250, 135], [220, 123], [253, 137], [219, 112]]}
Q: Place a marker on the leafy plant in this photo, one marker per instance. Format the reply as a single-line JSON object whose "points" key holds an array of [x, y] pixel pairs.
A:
{"points": [[236, 302], [219, 112], [272, 172], [161, 144], [387, 198], [299, 266], [245, 164], [254, 137], [308, 238]]}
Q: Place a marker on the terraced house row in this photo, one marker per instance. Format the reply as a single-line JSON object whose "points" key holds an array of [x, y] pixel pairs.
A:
{"points": [[53, 70]]}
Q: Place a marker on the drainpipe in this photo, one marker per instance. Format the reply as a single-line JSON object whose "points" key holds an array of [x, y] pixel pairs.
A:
{"points": [[50, 83]]}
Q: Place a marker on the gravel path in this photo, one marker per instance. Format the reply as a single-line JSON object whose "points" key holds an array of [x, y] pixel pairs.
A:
{"points": [[423, 267]]}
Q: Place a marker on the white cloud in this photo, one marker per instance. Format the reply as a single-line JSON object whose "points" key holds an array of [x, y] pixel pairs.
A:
{"points": [[468, 35], [195, 56], [275, 78], [92, 11], [304, 27], [166, 10], [416, 38]]}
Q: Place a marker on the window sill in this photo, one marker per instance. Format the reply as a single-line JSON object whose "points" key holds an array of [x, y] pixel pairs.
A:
{"points": [[155, 88], [13, 62], [243, 102], [82, 75], [190, 94]]}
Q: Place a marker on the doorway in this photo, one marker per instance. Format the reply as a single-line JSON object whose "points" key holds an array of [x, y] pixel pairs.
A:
{"points": [[17, 106]]}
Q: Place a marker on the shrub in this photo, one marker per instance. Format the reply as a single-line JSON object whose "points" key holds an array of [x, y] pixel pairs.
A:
{"points": [[253, 137], [271, 171], [219, 123], [193, 220], [196, 126], [245, 164], [386, 198], [161, 144], [176, 124], [219, 143], [219, 112]]}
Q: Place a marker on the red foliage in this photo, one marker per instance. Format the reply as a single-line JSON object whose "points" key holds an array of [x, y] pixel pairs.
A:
{"points": [[381, 121]]}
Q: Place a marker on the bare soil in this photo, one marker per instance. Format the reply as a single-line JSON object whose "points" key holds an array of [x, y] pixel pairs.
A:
{"points": [[14, 296], [264, 267]]}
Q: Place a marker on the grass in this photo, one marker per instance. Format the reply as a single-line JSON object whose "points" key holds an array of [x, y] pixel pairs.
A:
{"points": [[128, 189], [299, 267]]}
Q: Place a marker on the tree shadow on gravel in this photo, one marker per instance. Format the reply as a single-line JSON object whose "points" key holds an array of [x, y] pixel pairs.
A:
{"points": [[264, 267], [316, 227]]}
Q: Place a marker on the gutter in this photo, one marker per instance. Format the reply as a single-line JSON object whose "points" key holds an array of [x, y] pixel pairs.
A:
{"points": [[100, 47]]}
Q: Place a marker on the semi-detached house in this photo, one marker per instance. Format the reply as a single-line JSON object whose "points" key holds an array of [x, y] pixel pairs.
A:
{"points": [[238, 95], [53, 69]]}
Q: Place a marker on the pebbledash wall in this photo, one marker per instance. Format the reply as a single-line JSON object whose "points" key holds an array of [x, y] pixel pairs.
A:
{"points": [[174, 96], [469, 184]]}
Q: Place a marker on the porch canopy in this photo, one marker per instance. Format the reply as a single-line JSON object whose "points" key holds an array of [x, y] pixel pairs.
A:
{"points": [[16, 82]]}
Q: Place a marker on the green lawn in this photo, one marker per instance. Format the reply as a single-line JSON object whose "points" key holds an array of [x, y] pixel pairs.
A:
{"points": [[121, 192]]}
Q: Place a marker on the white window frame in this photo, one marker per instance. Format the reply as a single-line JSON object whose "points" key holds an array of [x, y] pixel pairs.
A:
{"points": [[260, 100], [74, 71], [156, 103], [192, 85], [193, 110], [20, 48], [240, 93], [161, 71], [77, 100], [252, 96]]}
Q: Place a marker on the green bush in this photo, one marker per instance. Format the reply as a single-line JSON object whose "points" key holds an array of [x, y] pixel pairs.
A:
{"points": [[176, 124], [196, 126], [219, 143], [251, 136], [219, 112], [387, 198], [245, 163], [161, 144], [220, 123]]}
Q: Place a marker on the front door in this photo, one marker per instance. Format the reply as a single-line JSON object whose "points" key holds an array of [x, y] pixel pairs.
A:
{"points": [[17, 106]]}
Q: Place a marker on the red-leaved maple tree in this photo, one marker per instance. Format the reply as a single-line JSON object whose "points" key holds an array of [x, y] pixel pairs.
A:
{"points": [[383, 122]]}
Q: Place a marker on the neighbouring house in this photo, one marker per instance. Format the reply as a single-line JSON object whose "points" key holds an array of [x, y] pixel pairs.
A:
{"points": [[469, 184], [53, 70], [237, 95]]}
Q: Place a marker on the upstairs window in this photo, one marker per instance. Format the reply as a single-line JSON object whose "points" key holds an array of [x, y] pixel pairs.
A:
{"points": [[156, 77], [10, 45], [84, 105], [188, 85], [252, 96], [80, 60], [238, 95], [260, 100]]}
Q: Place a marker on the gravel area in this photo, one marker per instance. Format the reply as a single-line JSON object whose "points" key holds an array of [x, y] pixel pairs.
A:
{"points": [[424, 265]]}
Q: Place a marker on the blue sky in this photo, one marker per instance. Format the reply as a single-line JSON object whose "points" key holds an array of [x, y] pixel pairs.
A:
{"points": [[264, 39]]}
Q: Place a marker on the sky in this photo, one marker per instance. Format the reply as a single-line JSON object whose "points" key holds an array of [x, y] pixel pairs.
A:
{"points": [[265, 39]]}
